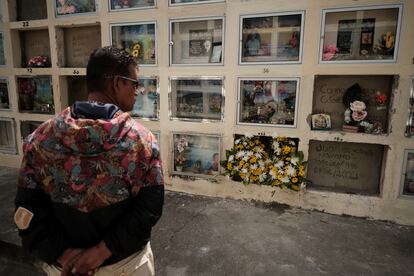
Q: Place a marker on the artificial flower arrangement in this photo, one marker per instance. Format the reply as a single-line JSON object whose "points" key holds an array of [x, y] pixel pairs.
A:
{"points": [[277, 164], [38, 62], [181, 153], [329, 52], [355, 115]]}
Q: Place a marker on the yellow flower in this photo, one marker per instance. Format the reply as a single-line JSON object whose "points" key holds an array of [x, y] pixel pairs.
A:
{"points": [[280, 139], [241, 163], [253, 159], [229, 166], [276, 182], [286, 149], [280, 176], [301, 167], [288, 158], [301, 173], [294, 180]]}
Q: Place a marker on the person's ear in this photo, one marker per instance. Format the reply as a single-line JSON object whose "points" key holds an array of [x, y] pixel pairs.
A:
{"points": [[115, 83]]}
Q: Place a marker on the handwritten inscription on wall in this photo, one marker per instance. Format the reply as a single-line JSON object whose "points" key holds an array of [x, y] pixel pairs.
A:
{"points": [[79, 44], [348, 167]]}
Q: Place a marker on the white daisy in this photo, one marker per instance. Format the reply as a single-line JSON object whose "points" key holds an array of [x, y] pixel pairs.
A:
{"points": [[290, 170]]}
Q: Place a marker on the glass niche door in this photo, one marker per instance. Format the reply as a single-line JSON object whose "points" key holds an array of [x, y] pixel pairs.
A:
{"points": [[197, 41], [196, 99], [271, 38], [360, 34]]}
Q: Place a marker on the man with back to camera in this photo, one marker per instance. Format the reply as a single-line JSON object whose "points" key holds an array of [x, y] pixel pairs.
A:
{"points": [[91, 185]]}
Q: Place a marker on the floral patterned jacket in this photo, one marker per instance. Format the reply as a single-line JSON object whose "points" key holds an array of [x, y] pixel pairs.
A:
{"points": [[86, 180]]}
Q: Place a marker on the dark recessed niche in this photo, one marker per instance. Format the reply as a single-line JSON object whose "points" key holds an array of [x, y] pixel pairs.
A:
{"points": [[73, 88], [375, 91], [25, 10], [75, 45], [27, 127], [34, 43]]}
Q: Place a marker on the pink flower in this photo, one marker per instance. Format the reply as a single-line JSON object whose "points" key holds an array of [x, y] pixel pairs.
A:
{"points": [[359, 115], [358, 106]]}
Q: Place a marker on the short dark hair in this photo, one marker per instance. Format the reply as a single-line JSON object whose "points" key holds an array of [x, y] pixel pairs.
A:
{"points": [[105, 63]]}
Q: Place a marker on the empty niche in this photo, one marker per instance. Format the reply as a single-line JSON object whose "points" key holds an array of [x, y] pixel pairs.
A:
{"points": [[7, 136], [27, 127], [35, 49], [355, 103], [76, 44], [345, 167], [25, 10]]}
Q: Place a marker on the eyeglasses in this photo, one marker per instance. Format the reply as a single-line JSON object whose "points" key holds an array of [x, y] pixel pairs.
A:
{"points": [[135, 83]]}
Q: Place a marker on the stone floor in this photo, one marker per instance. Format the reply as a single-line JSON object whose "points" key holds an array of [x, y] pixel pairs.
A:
{"points": [[213, 236]]}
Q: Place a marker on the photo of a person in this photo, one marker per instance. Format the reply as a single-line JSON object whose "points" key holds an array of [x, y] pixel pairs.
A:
{"points": [[268, 102], [252, 45]]}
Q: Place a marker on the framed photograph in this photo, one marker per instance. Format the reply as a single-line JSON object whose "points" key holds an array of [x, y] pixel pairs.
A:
{"points": [[196, 154], [8, 136], [216, 53], [27, 127], [4, 94], [409, 129], [2, 52], [321, 122], [196, 98], [407, 177], [120, 5], [192, 41], [138, 39], [148, 100], [35, 94], [268, 101], [360, 34], [271, 38], [190, 2], [72, 7]]}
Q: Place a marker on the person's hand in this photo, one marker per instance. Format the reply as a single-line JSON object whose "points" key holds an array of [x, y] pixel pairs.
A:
{"points": [[68, 257], [90, 259]]}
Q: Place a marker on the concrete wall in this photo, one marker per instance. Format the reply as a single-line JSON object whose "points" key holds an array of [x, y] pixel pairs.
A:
{"points": [[388, 205]]}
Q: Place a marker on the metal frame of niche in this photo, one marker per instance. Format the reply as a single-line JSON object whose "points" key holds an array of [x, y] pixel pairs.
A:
{"points": [[158, 93], [110, 9], [76, 14], [170, 4], [361, 8], [192, 19], [4, 50], [403, 174], [173, 78], [302, 31], [261, 78], [172, 150], [13, 149], [410, 117], [6, 79], [134, 23]]}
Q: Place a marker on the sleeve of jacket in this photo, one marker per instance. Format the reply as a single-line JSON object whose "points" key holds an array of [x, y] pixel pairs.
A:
{"points": [[41, 234], [133, 230]]}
